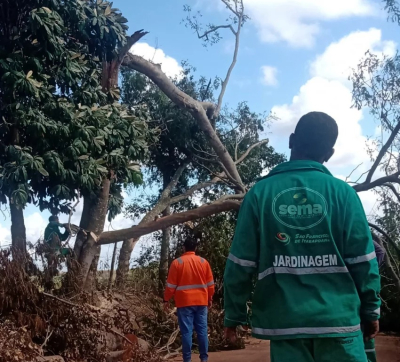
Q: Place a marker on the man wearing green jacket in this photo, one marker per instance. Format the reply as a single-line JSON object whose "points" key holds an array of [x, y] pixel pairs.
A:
{"points": [[303, 235], [53, 235], [53, 238]]}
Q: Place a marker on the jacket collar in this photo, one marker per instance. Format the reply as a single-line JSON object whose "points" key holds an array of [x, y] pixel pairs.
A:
{"points": [[299, 165], [189, 253]]}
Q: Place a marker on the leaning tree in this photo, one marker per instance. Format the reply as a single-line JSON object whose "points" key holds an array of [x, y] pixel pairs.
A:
{"points": [[182, 143]]}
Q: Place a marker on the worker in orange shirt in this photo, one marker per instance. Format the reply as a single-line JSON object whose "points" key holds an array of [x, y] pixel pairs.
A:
{"points": [[190, 282]]}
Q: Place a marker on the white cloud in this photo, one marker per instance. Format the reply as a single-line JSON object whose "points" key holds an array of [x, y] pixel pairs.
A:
{"points": [[341, 57], [370, 203], [120, 222], [5, 236], [329, 91], [332, 97], [35, 225], [169, 65], [269, 75], [297, 22], [368, 199]]}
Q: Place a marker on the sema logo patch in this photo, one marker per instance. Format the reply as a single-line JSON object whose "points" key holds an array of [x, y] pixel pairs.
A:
{"points": [[283, 238], [299, 208]]}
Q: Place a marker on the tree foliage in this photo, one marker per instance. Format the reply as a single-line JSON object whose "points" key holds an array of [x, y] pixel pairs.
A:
{"points": [[61, 130], [376, 86]]}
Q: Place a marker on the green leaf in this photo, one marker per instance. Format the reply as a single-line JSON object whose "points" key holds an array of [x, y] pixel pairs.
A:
{"points": [[107, 12], [43, 171], [75, 55], [102, 169], [29, 74], [83, 157], [35, 83], [134, 168]]}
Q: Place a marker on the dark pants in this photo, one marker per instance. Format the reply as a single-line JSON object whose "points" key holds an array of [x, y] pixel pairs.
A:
{"points": [[370, 350], [347, 349]]}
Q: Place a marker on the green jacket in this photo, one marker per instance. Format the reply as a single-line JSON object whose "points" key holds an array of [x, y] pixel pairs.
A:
{"points": [[53, 228], [303, 234]]}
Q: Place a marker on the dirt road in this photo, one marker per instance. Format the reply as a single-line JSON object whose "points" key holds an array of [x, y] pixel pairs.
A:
{"points": [[388, 350]]}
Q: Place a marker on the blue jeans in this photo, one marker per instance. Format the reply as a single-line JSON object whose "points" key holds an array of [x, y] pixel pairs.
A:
{"points": [[189, 317]]}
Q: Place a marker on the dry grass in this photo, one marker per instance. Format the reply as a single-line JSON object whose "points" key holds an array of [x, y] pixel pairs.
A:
{"points": [[46, 324]]}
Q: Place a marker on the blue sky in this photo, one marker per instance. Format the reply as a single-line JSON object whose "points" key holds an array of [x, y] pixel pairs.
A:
{"points": [[295, 57]]}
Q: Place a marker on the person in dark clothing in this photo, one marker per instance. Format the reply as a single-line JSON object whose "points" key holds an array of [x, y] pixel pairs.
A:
{"points": [[369, 346], [52, 229], [53, 238], [379, 251]]}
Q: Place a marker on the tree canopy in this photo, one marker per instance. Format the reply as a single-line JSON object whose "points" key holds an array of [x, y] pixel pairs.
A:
{"points": [[63, 129]]}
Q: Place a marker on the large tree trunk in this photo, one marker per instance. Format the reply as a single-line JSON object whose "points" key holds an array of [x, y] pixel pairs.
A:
{"points": [[164, 254], [18, 231], [129, 244], [91, 279], [81, 237], [111, 277], [93, 220], [124, 261]]}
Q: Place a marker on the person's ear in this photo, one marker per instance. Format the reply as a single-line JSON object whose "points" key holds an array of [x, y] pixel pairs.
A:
{"points": [[291, 141], [329, 155]]}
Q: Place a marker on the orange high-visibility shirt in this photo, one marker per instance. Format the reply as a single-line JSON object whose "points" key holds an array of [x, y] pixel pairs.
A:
{"points": [[190, 281]]}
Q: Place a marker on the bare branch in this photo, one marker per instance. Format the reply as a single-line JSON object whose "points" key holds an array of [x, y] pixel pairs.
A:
{"points": [[191, 191], [235, 11], [181, 99], [382, 152], [221, 176], [174, 181], [71, 212], [164, 200], [215, 28], [234, 60], [379, 182], [209, 160], [134, 232], [390, 186], [251, 148], [130, 41], [237, 185], [353, 171], [232, 197]]}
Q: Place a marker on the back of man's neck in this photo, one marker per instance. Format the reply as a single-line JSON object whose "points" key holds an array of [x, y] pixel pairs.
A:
{"points": [[302, 158]]}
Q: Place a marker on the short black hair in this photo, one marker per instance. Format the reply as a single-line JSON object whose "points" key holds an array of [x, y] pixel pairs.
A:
{"points": [[53, 218], [315, 134], [190, 244]]}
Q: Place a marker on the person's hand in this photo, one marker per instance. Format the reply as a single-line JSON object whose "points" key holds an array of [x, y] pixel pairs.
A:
{"points": [[371, 330], [210, 304], [230, 335], [166, 306]]}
